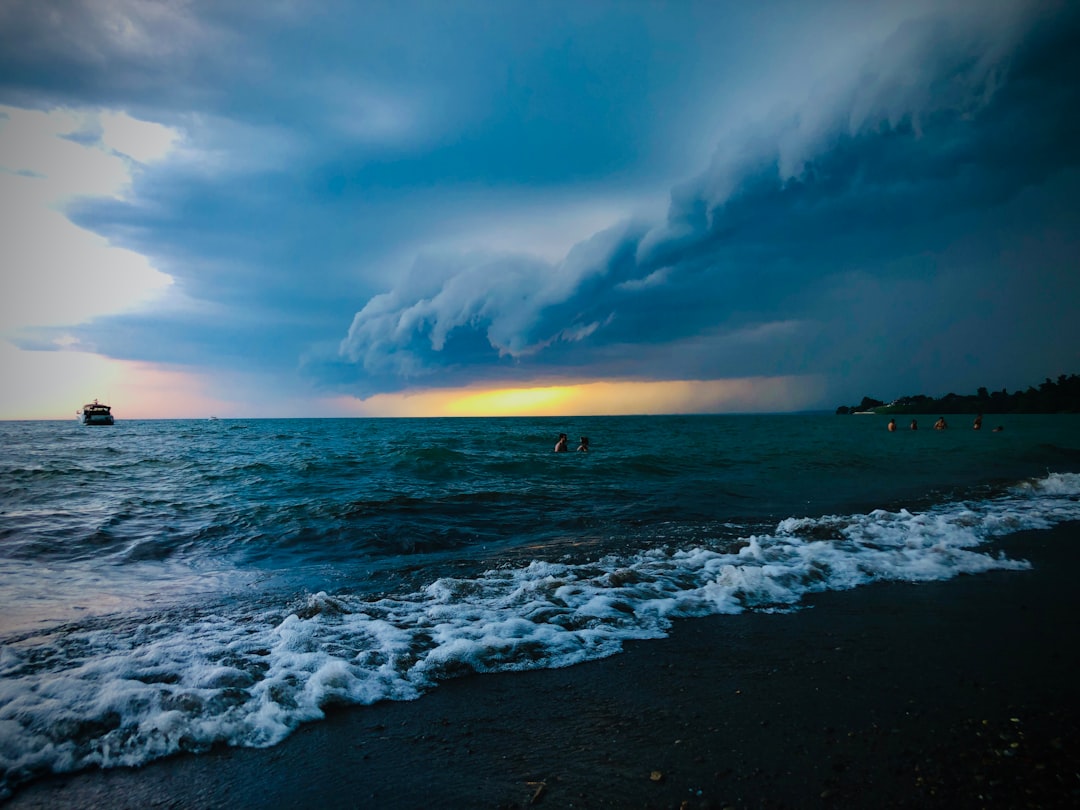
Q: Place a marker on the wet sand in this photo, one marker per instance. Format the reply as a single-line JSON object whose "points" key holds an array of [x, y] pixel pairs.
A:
{"points": [[955, 694]]}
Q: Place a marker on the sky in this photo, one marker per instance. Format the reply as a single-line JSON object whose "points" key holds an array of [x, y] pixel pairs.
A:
{"points": [[493, 207]]}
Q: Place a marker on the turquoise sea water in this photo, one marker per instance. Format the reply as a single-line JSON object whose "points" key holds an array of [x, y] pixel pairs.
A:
{"points": [[169, 585]]}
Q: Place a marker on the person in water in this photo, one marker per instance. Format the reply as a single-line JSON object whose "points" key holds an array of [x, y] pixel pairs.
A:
{"points": [[940, 424], [892, 426], [914, 424], [583, 447], [561, 444], [978, 423]]}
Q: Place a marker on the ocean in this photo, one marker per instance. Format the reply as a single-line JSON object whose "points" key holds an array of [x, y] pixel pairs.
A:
{"points": [[173, 585]]}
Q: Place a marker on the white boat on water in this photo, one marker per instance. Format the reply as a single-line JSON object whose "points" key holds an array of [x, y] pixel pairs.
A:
{"points": [[94, 413]]}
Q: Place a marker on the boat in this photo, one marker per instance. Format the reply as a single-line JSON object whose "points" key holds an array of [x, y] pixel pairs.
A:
{"points": [[94, 413]]}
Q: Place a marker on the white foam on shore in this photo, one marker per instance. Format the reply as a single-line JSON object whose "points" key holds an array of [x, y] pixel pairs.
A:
{"points": [[126, 692]]}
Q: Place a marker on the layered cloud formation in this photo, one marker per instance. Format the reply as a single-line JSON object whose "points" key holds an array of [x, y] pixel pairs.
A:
{"points": [[792, 238], [879, 197]]}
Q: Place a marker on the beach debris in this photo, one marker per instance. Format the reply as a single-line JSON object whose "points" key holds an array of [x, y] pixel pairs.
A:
{"points": [[539, 788], [656, 776]]}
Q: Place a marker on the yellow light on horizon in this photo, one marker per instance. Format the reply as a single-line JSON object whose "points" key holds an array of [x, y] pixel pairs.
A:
{"points": [[512, 402], [598, 398], [52, 384]]}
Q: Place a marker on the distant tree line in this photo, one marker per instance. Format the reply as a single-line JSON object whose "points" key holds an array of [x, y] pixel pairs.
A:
{"points": [[1062, 396]]}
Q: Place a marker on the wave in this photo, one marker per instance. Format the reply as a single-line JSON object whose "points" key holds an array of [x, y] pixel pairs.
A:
{"points": [[125, 690]]}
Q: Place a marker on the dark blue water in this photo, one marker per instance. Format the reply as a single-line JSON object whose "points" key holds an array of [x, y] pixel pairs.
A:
{"points": [[171, 584]]}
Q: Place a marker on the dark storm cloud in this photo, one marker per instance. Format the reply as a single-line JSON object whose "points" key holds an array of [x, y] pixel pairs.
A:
{"points": [[330, 129], [936, 147], [904, 221]]}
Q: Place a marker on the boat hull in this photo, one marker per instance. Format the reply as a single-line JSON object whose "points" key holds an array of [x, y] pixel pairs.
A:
{"points": [[94, 413]]}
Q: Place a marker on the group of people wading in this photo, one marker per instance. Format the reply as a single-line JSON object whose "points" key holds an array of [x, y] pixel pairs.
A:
{"points": [[941, 424], [561, 445]]}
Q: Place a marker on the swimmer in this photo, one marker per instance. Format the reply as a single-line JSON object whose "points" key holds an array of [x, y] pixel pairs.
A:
{"points": [[583, 447], [892, 426], [914, 424], [941, 424], [560, 445], [978, 423]]}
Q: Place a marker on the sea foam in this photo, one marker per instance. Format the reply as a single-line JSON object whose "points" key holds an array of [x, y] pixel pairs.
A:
{"points": [[125, 692]]}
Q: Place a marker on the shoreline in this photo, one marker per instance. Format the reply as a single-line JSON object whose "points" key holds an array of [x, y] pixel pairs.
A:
{"points": [[960, 693]]}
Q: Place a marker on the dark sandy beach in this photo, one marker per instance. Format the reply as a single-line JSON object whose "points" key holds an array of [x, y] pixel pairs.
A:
{"points": [[953, 694]]}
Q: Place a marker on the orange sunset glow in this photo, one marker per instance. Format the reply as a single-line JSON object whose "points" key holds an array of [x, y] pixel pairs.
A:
{"points": [[606, 398], [52, 384]]}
